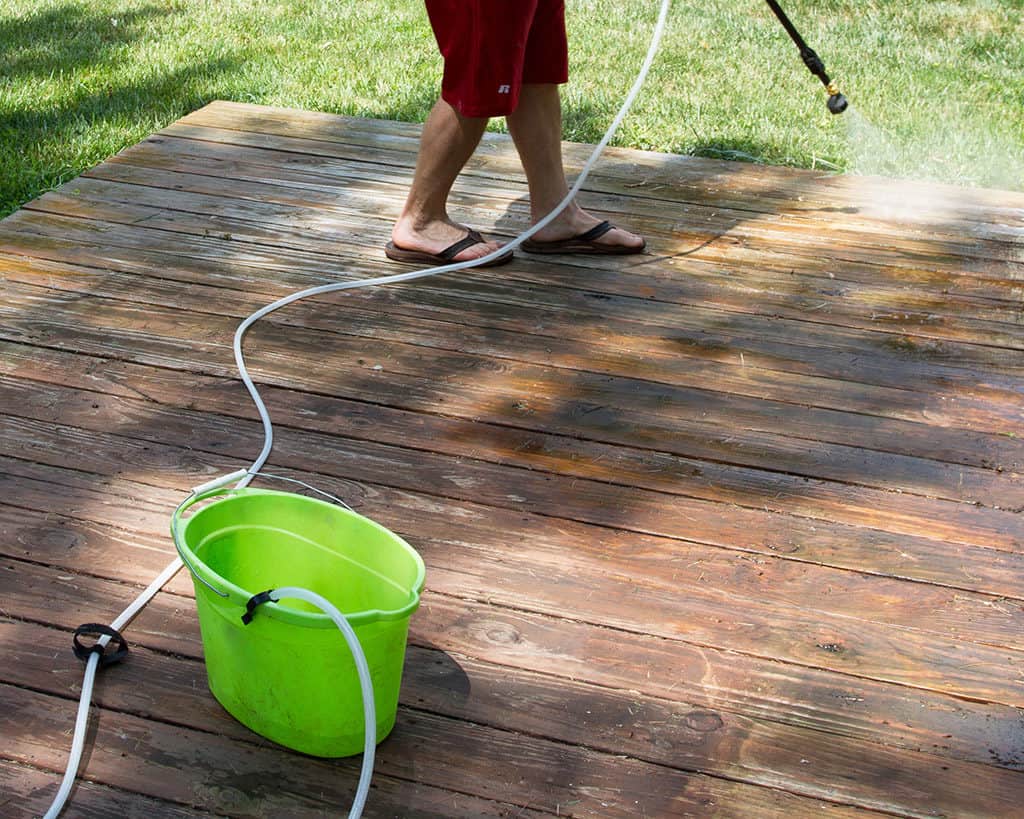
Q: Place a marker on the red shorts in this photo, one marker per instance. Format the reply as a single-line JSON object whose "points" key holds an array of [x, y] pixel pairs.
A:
{"points": [[491, 47]]}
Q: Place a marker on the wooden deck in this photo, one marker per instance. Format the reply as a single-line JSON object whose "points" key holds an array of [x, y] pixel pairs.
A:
{"points": [[733, 528]]}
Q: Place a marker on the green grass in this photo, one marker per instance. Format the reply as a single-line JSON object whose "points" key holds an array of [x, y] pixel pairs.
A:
{"points": [[938, 87]]}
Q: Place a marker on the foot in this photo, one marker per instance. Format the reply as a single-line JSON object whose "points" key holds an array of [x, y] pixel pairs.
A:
{"points": [[574, 221], [433, 237]]}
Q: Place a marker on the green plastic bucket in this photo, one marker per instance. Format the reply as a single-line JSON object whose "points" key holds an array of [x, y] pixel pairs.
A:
{"points": [[289, 675]]}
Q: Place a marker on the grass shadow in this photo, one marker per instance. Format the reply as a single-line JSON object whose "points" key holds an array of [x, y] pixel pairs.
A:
{"points": [[69, 37], [47, 139]]}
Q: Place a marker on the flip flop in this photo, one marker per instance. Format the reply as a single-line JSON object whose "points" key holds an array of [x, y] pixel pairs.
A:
{"points": [[583, 243], [446, 256]]}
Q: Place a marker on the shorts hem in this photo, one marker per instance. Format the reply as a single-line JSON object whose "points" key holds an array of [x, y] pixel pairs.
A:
{"points": [[476, 111]]}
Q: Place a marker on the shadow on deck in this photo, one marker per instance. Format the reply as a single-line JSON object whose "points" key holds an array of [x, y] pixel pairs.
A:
{"points": [[730, 528]]}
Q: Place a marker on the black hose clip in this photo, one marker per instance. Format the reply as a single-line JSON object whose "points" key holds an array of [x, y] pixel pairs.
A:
{"points": [[253, 602], [813, 63], [82, 652]]}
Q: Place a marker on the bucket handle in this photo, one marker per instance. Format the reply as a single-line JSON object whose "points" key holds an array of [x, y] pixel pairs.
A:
{"points": [[217, 487], [310, 487], [193, 498]]}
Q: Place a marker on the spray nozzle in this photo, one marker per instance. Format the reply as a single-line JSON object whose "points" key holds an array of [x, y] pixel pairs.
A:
{"points": [[837, 103]]}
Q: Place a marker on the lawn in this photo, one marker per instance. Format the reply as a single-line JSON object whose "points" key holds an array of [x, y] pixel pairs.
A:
{"points": [[937, 88]]}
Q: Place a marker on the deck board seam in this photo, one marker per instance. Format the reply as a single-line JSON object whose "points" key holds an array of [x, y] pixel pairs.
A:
{"points": [[291, 324], [43, 206], [604, 627], [920, 330], [514, 468], [413, 710], [512, 177], [648, 492]]}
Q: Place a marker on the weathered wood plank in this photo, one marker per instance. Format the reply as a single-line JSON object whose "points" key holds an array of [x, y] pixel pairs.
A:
{"points": [[717, 582], [338, 188], [894, 358], [38, 410], [27, 793], [284, 202], [651, 562], [699, 360], [255, 778], [627, 521], [996, 483], [695, 227], [925, 208], [532, 449], [706, 615], [862, 710], [260, 118], [1005, 452], [162, 688], [448, 376], [678, 188], [767, 235], [755, 188], [130, 205], [429, 683], [601, 496], [376, 193], [997, 573], [164, 761], [804, 697], [294, 345]]}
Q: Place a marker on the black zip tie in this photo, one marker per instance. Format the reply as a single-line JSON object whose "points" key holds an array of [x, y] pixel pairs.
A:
{"points": [[254, 601], [98, 630]]}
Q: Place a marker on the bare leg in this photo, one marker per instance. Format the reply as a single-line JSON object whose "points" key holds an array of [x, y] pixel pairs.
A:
{"points": [[536, 128], [448, 142]]}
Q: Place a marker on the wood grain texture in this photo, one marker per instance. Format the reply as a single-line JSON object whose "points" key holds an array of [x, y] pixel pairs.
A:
{"points": [[732, 528]]}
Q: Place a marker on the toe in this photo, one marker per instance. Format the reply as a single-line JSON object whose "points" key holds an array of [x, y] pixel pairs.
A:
{"points": [[618, 236], [477, 251]]}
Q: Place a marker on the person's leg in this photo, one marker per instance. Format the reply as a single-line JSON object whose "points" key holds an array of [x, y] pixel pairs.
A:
{"points": [[536, 129], [448, 141], [482, 43]]}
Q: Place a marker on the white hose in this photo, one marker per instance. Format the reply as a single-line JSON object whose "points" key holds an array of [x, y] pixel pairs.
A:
{"points": [[268, 429], [268, 442], [78, 742], [365, 683]]}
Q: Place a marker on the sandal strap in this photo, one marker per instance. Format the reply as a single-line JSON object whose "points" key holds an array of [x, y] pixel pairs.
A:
{"points": [[470, 239], [595, 232]]}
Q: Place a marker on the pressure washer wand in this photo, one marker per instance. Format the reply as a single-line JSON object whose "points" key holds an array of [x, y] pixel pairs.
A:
{"points": [[836, 102]]}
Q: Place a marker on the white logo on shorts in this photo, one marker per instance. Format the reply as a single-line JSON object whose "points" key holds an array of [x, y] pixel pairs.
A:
{"points": [[504, 89]]}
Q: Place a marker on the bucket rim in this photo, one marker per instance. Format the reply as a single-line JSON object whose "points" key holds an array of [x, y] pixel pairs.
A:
{"points": [[240, 596]]}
